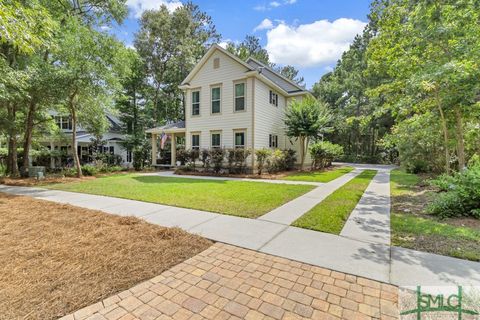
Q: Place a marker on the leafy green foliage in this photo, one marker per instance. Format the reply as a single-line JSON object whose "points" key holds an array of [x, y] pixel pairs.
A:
{"points": [[237, 160], [460, 194], [323, 153], [280, 160], [261, 157], [306, 119]]}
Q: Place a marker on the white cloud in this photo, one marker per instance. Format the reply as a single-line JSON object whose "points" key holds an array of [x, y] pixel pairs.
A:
{"points": [[266, 24], [316, 44], [139, 6], [273, 4]]}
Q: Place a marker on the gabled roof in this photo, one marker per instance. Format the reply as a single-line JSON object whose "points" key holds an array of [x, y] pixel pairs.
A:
{"points": [[286, 84], [258, 69], [207, 55]]}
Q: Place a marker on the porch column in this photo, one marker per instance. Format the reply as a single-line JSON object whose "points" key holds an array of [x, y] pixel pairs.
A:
{"points": [[154, 148], [174, 151]]}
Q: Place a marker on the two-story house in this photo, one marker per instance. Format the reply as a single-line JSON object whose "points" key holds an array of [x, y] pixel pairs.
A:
{"points": [[232, 103], [112, 142]]}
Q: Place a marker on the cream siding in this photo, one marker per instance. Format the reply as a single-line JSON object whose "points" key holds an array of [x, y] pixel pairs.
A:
{"points": [[229, 73]]}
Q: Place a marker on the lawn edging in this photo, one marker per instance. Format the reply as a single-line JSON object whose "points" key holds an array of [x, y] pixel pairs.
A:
{"points": [[331, 214]]}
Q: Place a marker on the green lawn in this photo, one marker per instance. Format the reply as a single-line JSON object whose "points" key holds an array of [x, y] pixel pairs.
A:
{"points": [[239, 198], [413, 228], [319, 176], [331, 214]]}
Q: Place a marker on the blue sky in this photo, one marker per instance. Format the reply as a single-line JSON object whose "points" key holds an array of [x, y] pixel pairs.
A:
{"points": [[309, 34]]}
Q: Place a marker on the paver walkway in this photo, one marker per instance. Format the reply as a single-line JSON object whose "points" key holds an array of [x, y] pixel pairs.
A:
{"points": [[370, 220], [291, 211], [227, 282]]}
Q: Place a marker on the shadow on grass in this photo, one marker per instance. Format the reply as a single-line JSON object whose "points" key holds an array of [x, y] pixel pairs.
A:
{"points": [[159, 180]]}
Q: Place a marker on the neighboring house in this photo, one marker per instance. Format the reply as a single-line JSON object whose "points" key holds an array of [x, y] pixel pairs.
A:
{"points": [[232, 104], [111, 140]]}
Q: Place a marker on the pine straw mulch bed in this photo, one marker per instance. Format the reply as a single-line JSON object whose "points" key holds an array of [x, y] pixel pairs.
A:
{"points": [[55, 258]]}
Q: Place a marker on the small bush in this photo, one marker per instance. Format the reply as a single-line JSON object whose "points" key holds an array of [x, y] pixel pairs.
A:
{"points": [[182, 156], [205, 158], [191, 156], [217, 155], [89, 170], [262, 156], [237, 160], [323, 153], [280, 160], [459, 194]]}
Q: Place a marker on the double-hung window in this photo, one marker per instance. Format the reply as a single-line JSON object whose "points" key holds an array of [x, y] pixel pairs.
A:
{"points": [[195, 141], [240, 96], [239, 139], [216, 99], [273, 141], [216, 140], [195, 103], [273, 98]]}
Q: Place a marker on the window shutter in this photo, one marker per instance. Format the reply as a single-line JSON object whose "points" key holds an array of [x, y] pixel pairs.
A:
{"points": [[271, 93]]}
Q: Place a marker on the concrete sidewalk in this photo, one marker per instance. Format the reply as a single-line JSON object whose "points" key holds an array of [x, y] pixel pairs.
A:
{"points": [[370, 220], [371, 260]]}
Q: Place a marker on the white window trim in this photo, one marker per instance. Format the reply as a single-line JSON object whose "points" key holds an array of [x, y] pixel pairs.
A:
{"points": [[196, 133], [199, 99], [244, 131], [244, 96], [211, 100], [221, 138]]}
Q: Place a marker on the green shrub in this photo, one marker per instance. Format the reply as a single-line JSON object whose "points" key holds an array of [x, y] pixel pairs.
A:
{"points": [[89, 170], [262, 156], [237, 160], [459, 194], [323, 153], [205, 158], [191, 156], [69, 172], [280, 160], [217, 155]]}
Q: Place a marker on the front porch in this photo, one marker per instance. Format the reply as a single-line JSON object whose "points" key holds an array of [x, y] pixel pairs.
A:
{"points": [[165, 142]]}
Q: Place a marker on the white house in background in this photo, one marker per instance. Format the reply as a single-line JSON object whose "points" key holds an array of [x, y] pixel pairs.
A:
{"points": [[232, 103], [112, 141]]}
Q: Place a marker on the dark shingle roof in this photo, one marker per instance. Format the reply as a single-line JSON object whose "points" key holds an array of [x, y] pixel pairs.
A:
{"points": [[273, 76]]}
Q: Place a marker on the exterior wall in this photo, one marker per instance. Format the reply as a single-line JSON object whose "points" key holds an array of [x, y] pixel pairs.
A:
{"points": [[268, 117], [227, 121]]}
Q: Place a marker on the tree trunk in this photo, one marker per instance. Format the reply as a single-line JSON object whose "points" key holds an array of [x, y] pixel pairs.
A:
{"points": [[28, 138], [302, 151], [12, 157], [460, 141], [445, 134], [76, 160]]}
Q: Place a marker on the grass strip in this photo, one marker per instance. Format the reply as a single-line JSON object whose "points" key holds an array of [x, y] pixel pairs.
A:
{"points": [[319, 176], [239, 198], [331, 214]]}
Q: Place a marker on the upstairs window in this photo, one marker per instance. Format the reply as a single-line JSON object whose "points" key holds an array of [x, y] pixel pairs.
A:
{"points": [[195, 141], [216, 140], [239, 96], [273, 98], [216, 99], [240, 140], [273, 141], [195, 103], [63, 122]]}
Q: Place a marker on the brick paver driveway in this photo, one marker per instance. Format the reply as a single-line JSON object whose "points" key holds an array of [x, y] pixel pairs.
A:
{"points": [[227, 282]]}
